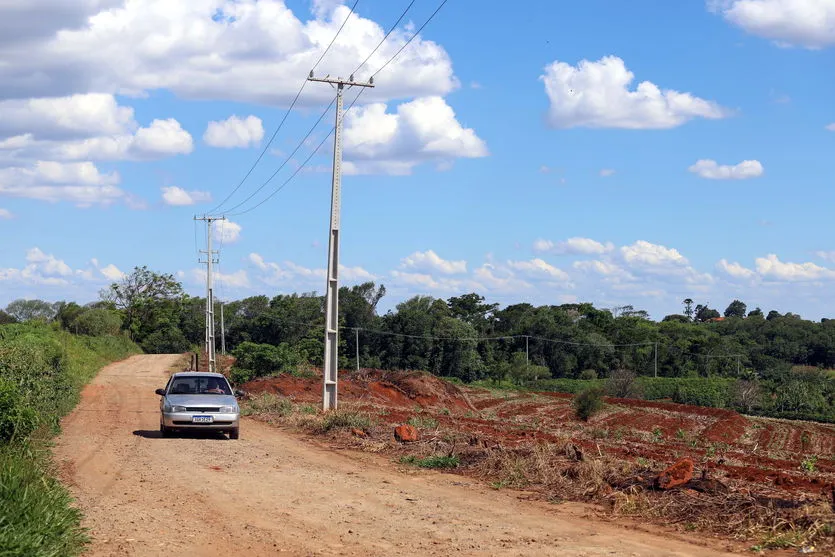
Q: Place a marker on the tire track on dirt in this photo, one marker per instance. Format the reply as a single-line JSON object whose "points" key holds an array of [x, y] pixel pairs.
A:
{"points": [[272, 492]]}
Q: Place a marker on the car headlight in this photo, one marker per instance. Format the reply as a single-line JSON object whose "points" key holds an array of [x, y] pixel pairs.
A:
{"points": [[228, 409], [176, 409]]}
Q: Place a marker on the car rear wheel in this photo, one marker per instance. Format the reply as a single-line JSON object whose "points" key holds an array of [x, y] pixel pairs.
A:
{"points": [[234, 433]]}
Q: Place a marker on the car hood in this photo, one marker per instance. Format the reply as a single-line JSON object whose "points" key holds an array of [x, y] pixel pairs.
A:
{"points": [[201, 400]]}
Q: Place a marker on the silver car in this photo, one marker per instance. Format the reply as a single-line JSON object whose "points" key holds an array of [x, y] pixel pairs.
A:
{"points": [[195, 400]]}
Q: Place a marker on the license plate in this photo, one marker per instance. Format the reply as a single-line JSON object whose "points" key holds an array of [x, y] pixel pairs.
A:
{"points": [[202, 419]]}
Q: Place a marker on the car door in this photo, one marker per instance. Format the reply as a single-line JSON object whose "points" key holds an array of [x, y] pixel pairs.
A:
{"points": [[162, 398]]}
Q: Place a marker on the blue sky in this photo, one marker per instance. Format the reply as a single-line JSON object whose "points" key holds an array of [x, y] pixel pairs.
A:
{"points": [[617, 153]]}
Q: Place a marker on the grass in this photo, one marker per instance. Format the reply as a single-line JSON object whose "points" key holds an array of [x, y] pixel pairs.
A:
{"points": [[423, 422], [267, 403], [49, 368], [433, 461]]}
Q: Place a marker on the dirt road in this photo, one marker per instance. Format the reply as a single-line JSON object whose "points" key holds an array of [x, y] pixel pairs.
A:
{"points": [[273, 493]]}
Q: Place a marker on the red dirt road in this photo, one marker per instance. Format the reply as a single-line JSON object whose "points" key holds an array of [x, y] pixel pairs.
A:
{"points": [[274, 493]]}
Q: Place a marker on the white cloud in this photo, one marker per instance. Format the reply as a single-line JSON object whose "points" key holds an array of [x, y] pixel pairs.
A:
{"points": [[80, 183], [604, 268], [735, 270], [806, 23], [423, 130], [5, 214], [826, 255], [238, 279], [431, 261], [355, 274], [538, 268], [239, 50], [831, 127], [426, 282], [84, 127], [173, 195], [112, 272], [575, 245], [606, 172], [500, 280], [597, 95], [770, 267], [707, 168], [48, 265], [74, 116], [227, 232], [646, 254], [234, 132]]}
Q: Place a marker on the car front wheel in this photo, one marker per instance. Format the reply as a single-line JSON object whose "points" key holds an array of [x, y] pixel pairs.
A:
{"points": [[164, 431], [234, 433]]}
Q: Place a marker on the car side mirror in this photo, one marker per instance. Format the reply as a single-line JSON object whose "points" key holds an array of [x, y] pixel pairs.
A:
{"points": [[238, 393], [160, 392]]}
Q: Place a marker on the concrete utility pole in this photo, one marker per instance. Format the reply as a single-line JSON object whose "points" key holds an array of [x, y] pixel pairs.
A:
{"points": [[210, 298], [222, 332], [329, 399]]}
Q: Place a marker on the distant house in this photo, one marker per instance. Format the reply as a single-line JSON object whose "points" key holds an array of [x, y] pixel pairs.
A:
{"points": [[715, 319]]}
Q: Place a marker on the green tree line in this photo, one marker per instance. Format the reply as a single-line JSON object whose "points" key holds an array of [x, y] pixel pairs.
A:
{"points": [[468, 338]]}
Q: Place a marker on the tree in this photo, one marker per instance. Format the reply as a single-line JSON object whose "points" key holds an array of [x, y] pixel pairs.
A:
{"points": [[736, 309], [688, 308], [756, 312], [5, 318], [28, 310], [97, 322], [773, 314], [150, 303], [704, 313]]}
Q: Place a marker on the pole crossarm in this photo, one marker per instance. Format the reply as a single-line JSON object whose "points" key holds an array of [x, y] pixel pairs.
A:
{"points": [[331, 361]]}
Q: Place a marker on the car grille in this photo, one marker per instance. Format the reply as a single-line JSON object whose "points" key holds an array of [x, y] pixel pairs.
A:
{"points": [[207, 410]]}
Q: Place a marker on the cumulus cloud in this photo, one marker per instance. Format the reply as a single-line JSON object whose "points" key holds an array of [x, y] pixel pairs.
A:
{"points": [[294, 276], [597, 95], [87, 127], [234, 132], [770, 267], [112, 272], [226, 231], [423, 130], [707, 168], [78, 183], [172, 195], [572, 246], [538, 268], [239, 50], [805, 23], [647, 254], [735, 270], [431, 261]]}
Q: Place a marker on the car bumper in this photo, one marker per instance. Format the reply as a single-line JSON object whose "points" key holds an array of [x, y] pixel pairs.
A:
{"points": [[183, 420]]}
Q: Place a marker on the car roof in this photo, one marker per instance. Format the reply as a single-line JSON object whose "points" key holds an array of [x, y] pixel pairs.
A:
{"points": [[197, 374]]}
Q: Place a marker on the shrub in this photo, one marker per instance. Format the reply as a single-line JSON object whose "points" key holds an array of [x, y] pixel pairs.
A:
{"points": [[342, 419], [265, 359], [168, 340], [588, 402], [98, 322], [622, 383], [240, 376], [588, 374], [17, 420], [267, 403]]}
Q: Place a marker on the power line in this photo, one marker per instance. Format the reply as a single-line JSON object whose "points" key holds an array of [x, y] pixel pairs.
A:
{"points": [[415, 34], [284, 163], [391, 29], [286, 114]]}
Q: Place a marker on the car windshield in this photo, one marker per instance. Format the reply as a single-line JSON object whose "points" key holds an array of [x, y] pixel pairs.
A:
{"points": [[199, 385]]}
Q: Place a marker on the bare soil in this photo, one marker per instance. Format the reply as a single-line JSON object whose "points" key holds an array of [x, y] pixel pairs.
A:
{"points": [[273, 492]]}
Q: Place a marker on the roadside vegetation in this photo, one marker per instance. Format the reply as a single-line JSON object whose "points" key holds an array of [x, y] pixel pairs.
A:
{"points": [[758, 362], [42, 371]]}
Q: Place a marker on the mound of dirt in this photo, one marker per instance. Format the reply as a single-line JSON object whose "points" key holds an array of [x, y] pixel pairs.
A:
{"points": [[389, 388]]}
